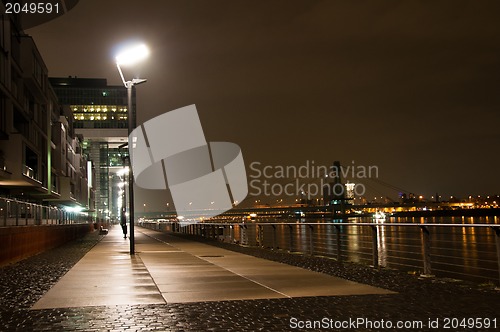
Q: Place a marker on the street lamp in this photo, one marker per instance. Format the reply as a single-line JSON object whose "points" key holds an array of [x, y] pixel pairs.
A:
{"points": [[129, 57]]}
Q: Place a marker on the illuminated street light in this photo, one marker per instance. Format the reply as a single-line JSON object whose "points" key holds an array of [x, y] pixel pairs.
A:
{"points": [[122, 172], [129, 57], [132, 55]]}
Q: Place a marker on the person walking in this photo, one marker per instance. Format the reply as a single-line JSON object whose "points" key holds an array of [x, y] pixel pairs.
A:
{"points": [[123, 223]]}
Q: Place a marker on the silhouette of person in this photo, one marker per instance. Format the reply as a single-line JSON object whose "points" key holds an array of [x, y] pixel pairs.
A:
{"points": [[123, 223]]}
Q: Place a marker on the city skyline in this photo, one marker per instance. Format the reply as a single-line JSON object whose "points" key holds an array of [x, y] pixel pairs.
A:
{"points": [[409, 87]]}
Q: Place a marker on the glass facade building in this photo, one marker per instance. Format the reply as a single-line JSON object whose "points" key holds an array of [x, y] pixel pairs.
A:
{"points": [[100, 115]]}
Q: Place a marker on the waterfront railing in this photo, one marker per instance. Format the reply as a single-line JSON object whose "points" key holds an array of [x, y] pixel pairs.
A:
{"points": [[21, 213], [458, 251]]}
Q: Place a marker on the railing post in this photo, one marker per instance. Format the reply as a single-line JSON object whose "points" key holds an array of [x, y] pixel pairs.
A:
{"points": [[25, 214], [39, 215], [497, 241], [274, 237], [374, 245], [339, 244], [261, 236], [426, 251], [290, 243], [5, 210], [243, 235], [17, 212], [311, 240]]}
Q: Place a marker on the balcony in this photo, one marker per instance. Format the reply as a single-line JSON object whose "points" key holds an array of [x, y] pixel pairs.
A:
{"points": [[4, 173], [31, 173]]}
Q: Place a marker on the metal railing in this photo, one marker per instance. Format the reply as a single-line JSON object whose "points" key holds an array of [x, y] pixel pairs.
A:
{"points": [[460, 251], [20, 213], [29, 172]]}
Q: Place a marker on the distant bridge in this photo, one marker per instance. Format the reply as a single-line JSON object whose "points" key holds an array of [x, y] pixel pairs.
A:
{"points": [[302, 210]]}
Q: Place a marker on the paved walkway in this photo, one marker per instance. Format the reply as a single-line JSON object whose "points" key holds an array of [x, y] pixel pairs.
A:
{"points": [[182, 271]]}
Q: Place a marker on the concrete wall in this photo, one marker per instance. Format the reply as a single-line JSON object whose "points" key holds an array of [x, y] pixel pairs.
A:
{"points": [[17, 243]]}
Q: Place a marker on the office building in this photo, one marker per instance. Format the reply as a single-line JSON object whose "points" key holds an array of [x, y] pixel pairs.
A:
{"points": [[100, 115]]}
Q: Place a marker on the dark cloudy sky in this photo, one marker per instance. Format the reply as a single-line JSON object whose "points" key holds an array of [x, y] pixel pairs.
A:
{"points": [[409, 86]]}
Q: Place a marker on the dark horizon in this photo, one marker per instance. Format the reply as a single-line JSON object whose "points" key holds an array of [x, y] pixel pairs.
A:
{"points": [[409, 87]]}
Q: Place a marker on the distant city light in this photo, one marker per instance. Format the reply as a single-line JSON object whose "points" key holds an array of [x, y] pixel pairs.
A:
{"points": [[73, 208], [122, 172]]}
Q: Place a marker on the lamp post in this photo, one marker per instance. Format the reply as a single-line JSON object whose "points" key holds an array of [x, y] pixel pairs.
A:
{"points": [[129, 57]]}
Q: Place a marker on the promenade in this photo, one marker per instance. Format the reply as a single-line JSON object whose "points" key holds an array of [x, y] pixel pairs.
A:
{"points": [[176, 284], [180, 271]]}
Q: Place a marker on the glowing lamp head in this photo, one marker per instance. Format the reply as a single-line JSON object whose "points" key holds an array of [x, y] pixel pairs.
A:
{"points": [[132, 55]]}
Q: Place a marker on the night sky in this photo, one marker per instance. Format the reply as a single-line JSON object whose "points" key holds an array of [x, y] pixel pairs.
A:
{"points": [[409, 86]]}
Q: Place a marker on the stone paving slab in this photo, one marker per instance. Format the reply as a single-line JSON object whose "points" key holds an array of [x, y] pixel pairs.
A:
{"points": [[191, 274], [182, 271], [106, 275]]}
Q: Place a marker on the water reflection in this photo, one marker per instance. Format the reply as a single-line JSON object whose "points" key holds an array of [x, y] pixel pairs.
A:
{"points": [[460, 252], [381, 245]]}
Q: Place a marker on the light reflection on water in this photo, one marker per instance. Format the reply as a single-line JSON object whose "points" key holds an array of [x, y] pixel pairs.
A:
{"points": [[459, 252]]}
